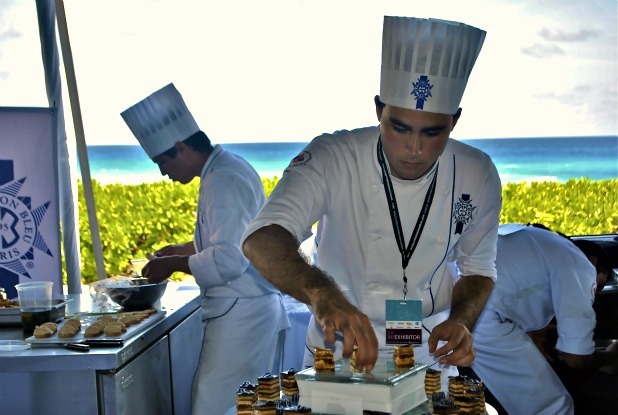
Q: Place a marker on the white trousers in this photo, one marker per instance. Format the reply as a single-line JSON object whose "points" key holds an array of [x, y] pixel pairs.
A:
{"points": [[243, 339], [515, 371]]}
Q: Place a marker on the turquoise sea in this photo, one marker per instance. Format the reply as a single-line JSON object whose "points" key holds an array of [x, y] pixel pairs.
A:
{"points": [[517, 159]]}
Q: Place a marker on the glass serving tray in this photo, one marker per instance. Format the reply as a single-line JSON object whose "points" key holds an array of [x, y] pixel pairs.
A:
{"points": [[384, 373]]}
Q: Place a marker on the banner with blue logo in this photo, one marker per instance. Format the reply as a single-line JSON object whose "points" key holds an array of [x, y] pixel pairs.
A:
{"points": [[29, 217]]}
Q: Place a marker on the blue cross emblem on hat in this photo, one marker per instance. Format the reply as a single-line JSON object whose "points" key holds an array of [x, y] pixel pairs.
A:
{"points": [[421, 91]]}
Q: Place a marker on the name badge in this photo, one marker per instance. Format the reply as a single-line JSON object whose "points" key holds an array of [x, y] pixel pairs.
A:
{"points": [[404, 322]]}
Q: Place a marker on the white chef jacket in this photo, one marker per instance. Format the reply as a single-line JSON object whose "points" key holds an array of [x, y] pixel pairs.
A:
{"points": [[540, 275], [243, 314], [337, 180]]}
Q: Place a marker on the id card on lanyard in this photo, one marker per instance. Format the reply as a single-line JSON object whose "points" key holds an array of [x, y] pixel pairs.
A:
{"points": [[403, 322], [404, 318]]}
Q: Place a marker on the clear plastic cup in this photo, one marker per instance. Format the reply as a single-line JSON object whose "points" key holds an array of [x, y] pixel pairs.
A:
{"points": [[35, 303], [138, 264]]}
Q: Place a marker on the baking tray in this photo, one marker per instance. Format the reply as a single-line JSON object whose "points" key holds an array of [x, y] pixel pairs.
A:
{"points": [[86, 321], [12, 316]]}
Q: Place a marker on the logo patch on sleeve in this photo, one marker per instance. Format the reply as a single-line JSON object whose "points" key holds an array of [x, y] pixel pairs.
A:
{"points": [[302, 159]]}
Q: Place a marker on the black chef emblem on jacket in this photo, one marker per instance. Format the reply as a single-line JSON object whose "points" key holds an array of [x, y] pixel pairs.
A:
{"points": [[463, 212]]}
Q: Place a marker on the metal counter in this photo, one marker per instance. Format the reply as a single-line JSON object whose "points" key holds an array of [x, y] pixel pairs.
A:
{"points": [[135, 378]]}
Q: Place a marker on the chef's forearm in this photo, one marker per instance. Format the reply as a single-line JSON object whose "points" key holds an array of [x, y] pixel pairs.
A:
{"points": [[273, 251], [470, 295]]}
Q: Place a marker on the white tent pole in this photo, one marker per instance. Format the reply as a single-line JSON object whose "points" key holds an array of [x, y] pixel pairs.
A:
{"points": [[66, 186], [80, 137]]}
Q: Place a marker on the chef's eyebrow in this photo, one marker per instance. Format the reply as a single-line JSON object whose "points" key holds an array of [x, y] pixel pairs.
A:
{"points": [[403, 125]]}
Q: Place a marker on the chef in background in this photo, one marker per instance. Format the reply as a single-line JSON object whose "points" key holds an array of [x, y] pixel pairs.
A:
{"points": [[394, 203], [242, 314], [545, 281]]}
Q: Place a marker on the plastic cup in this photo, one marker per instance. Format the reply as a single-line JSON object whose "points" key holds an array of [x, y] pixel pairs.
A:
{"points": [[35, 303], [138, 264]]}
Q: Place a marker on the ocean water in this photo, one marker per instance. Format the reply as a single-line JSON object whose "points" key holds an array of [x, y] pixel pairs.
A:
{"points": [[517, 159]]}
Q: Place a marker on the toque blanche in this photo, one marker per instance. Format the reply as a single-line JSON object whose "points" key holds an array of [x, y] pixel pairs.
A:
{"points": [[426, 62], [160, 120]]}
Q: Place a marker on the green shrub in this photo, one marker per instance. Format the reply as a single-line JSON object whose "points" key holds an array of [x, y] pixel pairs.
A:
{"points": [[137, 219]]}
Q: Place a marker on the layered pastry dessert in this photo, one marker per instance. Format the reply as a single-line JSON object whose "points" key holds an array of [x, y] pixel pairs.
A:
{"points": [[433, 381], [456, 386], [288, 382], [244, 402], [324, 360], [403, 356], [353, 365], [445, 406], [268, 387]]}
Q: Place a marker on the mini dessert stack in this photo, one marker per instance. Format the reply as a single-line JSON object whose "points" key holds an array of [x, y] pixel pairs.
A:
{"points": [[455, 386], [251, 387], [475, 389], [244, 402], [467, 405], [433, 381], [324, 360], [445, 406], [353, 364], [403, 356], [289, 386], [268, 387]]}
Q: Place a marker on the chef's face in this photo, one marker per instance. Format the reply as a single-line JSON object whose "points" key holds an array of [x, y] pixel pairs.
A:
{"points": [[172, 164], [413, 140]]}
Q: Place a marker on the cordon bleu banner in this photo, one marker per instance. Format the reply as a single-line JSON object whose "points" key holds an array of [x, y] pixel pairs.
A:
{"points": [[29, 217]]}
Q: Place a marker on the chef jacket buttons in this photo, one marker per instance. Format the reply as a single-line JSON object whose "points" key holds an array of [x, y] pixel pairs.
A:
{"points": [[374, 236], [375, 188], [440, 240], [372, 286]]}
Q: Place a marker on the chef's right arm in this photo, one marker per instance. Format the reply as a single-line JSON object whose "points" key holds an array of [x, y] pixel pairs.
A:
{"points": [[271, 243], [274, 253]]}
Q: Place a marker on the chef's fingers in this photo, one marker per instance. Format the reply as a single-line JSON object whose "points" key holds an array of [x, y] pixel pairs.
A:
{"points": [[462, 356], [361, 332]]}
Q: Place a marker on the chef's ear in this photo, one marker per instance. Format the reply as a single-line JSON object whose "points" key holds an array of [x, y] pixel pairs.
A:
{"points": [[379, 106], [456, 118]]}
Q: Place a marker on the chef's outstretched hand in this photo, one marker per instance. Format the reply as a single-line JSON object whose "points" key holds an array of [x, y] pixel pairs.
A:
{"points": [[161, 268], [458, 350], [337, 315]]}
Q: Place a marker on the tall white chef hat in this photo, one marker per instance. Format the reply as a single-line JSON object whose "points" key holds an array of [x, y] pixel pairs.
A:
{"points": [[160, 120], [426, 62]]}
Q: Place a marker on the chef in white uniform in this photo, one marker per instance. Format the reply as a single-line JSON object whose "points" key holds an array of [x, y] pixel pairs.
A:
{"points": [[394, 203], [541, 275], [243, 315]]}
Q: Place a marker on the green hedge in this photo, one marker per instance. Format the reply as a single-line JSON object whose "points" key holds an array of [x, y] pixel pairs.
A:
{"points": [[137, 219]]}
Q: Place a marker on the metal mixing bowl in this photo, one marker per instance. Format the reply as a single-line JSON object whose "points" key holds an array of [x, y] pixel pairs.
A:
{"points": [[137, 297]]}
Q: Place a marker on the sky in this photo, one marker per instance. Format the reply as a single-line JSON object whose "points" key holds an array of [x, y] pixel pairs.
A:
{"points": [[289, 70]]}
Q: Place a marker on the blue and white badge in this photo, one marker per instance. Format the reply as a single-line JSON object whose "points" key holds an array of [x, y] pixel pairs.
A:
{"points": [[404, 322]]}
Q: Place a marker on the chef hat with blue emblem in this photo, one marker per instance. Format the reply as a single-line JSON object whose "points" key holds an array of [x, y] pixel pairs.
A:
{"points": [[426, 62], [160, 120]]}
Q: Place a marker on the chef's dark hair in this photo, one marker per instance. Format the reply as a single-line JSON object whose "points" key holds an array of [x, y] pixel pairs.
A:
{"points": [[590, 249], [198, 142], [593, 249]]}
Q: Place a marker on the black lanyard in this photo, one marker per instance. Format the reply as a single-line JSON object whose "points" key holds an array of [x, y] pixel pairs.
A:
{"points": [[406, 253]]}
